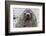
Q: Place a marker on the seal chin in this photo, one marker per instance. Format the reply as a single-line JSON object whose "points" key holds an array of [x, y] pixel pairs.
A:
{"points": [[28, 18]]}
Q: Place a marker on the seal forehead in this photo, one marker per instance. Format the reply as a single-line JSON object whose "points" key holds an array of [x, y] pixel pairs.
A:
{"points": [[28, 11]]}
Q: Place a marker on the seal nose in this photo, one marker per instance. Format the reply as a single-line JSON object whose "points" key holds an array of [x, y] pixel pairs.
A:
{"points": [[28, 15]]}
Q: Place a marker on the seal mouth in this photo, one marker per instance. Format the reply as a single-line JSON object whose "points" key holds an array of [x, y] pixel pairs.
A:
{"points": [[27, 18]]}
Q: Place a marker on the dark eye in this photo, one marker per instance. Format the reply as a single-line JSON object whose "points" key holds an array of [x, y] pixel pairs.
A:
{"points": [[14, 17]]}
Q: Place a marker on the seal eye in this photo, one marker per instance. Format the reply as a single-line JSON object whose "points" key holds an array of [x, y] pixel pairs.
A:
{"points": [[14, 17], [24, 25]]}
